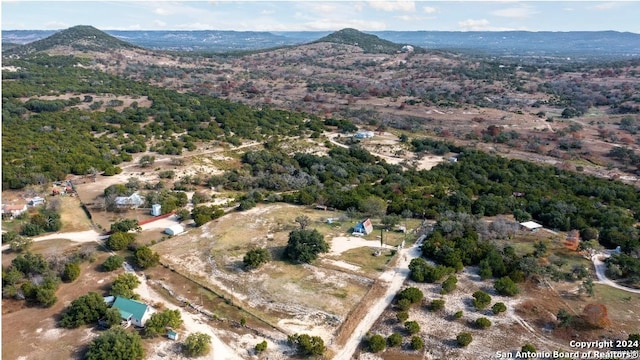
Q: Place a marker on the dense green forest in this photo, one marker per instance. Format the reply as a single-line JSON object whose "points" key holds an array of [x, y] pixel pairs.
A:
{"points": [[47, 139]]}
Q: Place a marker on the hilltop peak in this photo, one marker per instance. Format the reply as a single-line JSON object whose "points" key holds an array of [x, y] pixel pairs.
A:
{"points": [[367, 42], [80, 37]]}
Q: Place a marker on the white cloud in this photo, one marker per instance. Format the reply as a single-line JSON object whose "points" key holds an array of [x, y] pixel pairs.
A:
{"points": [[397, 5], [515, 12], [473, 25], [429, 10], [408, 18], [267, 12], [55, 25], [335, 24], [162, 12], [325, 8], [159, 23], [605, 6]]}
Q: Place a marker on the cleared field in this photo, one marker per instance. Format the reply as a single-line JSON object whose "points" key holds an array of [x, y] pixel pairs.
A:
{"points": [[312, 298], [72, 215]]}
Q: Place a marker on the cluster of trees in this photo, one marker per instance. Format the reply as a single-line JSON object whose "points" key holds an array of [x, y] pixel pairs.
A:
{"points": [[307, 345], [203, 214], [45, 220], [478, 184], [116, 344], [35, 279], [86, 309]]}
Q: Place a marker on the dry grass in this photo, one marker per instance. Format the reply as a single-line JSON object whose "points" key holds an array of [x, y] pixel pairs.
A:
{"points": [[72, 215], [371, 265]]}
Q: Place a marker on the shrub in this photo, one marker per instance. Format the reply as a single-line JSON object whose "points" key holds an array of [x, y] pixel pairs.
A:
{"points": [[528, 348], [145, 257], [464, 338], [483, 323], [506, 286], [394, 339], [449, 285], [307, 345], [412, 327], [404, 304], [124, 284], [498, 308], [402, 316], [159, 321], [436, 305], [412, 294], [458, 315], [197, 344], [261, 346], [256, 257], [116, 343], [113, 262], [417, 343], [120, 240], [71, 271], [481, 299], [377, 343]]}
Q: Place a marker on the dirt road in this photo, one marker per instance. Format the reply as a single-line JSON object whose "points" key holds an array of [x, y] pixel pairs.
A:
{"points": [[395, 278], [602, 278]]}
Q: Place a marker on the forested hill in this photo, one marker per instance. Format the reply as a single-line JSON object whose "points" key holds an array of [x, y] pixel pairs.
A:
{"points": [[367, 42], [81, 37]]}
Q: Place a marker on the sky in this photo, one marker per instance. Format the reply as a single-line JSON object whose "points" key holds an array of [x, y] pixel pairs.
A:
{"points": [[309, 15]]}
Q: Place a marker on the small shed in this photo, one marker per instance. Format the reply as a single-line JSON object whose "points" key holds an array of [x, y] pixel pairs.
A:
{"points": [[172, 334], [174, 229], [156, 209], [109, 300], [365, 227], [530, 226]]}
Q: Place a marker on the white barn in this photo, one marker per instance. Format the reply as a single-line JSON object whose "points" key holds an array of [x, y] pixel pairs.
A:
{"points": [[530, 225], [174, 229]]}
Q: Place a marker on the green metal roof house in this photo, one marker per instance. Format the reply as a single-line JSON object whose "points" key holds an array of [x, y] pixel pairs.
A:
{"points": [[133, 311]]}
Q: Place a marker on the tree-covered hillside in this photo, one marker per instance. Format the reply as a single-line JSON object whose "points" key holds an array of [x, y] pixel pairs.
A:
{"points": [[367, 42], [81, 37], [46, 139]]}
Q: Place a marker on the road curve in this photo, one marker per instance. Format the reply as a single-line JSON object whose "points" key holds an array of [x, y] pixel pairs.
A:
{"points": [[601, 267]]}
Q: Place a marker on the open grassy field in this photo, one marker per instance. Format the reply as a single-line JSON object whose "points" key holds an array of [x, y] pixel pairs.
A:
{"points": [[72, 215]]}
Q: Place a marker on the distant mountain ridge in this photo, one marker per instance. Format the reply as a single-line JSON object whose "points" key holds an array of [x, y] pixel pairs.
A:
{"points": [[504, 43]]}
